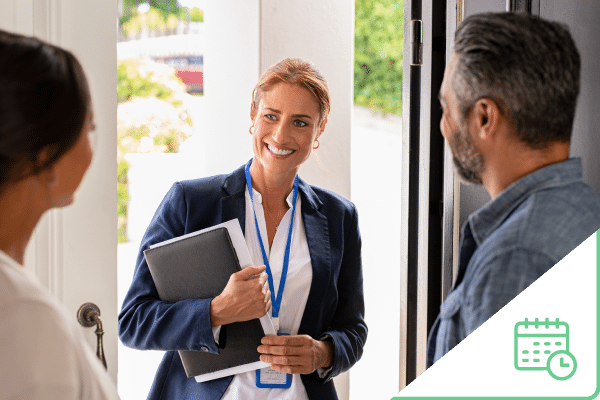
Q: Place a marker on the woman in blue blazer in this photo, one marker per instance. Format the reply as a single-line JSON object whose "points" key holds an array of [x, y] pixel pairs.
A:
{"points": [[321, 307]]}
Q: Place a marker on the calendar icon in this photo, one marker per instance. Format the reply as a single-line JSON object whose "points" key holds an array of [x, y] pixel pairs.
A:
{"points": [[544, 345]]}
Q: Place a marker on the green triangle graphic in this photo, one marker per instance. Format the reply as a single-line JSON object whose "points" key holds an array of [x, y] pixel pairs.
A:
{"points": [[483, 365]]}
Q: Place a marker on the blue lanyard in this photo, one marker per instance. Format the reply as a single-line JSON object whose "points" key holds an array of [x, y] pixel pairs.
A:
{"points": [[275, 300]]}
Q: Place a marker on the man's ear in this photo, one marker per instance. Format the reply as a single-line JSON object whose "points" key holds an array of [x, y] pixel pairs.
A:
{"points": [[485, 118]]}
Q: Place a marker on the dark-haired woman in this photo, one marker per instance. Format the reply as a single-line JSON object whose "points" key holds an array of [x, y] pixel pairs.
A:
{"points": [[306, 236], [45, 150]]}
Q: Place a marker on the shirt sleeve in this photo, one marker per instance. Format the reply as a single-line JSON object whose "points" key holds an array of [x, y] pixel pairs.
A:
{"points": [[216, 332], [325, 372], [498, 280]]}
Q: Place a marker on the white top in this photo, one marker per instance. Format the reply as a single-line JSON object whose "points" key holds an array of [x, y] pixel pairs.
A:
{"points": [[295, 295], [43, 354]]}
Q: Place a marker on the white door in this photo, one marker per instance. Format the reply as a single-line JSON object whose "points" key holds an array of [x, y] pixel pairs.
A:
{"points": [[73, 250]]}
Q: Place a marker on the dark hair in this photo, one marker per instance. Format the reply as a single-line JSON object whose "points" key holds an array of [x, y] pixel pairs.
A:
{"points": [[295, 71], [527, 65], [44, 103]]}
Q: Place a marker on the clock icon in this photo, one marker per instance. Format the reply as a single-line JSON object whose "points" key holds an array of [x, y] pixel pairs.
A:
{"points": [[561, 365]]}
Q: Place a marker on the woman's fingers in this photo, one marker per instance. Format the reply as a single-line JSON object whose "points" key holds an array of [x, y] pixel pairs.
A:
{"points": [[291, 354], [245, 297], [248, 272]]}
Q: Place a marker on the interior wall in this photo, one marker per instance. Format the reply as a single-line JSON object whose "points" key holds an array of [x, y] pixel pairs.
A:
{"points": [[583, 17], [480, 6]]}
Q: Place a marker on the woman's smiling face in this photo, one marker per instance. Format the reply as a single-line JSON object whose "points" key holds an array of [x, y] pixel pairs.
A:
{"points": [[285, 127]]}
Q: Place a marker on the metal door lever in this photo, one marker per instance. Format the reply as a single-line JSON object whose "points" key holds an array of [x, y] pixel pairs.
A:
{"points": [[88, 315]]}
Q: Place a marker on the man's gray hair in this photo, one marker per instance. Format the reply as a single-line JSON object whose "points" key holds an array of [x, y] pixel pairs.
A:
{"points": [[528, 66]]}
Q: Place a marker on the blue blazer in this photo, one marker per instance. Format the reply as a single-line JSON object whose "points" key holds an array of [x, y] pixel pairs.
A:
{"points": [[335, 305]]}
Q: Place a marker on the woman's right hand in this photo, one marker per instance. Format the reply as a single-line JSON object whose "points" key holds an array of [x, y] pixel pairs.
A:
{"points": [[243, 298]]}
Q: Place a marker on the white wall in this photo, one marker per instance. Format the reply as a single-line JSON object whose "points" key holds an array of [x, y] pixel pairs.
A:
{"points": [[231, 69], [323, 33]]}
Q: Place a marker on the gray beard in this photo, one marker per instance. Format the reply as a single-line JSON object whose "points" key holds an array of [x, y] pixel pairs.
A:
{"points": [[467, 160], [468, 173]]}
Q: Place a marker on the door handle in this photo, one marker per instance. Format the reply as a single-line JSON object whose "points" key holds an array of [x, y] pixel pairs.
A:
{"points": [[88, 315]]}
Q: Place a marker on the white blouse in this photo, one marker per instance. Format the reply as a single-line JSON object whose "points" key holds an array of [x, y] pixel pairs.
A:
{"points": [[43, 354], [297, 287]]}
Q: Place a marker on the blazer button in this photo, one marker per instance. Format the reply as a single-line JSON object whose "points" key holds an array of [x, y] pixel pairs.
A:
{"points": [[204, 348]]}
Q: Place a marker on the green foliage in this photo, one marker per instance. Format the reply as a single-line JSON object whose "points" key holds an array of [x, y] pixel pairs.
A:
{"points": [[162, 15], [130, 83], [196, 15], [138, 79], [378, 50], [123, 199], [166, 7], [171, 140]]}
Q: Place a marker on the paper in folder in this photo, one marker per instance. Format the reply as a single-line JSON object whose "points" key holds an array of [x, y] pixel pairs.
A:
{"points": [[198, 265]]}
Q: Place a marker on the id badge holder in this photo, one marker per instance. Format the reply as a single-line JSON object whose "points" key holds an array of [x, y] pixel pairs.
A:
{"points": [[267, 378]]}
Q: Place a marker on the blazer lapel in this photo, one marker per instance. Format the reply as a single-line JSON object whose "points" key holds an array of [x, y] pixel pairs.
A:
{"points": [[233, 202], [317, 236]]}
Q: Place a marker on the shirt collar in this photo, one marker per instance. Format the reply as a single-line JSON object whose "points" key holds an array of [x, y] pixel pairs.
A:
{"points": [[489, 217], [8, 260], [235, 184], [258, 197]]}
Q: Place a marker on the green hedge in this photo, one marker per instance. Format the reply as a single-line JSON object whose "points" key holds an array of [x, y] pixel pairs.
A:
{"points": [[378, 50]]}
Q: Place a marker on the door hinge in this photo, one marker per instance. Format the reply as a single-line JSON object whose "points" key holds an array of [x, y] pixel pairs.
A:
{"points": [[416, 41]]}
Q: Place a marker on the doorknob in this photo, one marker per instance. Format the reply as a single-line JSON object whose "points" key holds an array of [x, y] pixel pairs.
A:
{"points": [[88, 315]]}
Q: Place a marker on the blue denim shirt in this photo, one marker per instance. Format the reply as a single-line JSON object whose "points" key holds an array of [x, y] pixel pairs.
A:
{"points": [[509, 243]]}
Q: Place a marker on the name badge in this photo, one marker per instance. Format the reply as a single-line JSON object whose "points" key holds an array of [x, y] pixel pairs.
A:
{"points": [[268, 378]]}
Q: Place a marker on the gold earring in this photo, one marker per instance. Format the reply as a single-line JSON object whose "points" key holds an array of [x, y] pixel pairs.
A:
{"points": [[316, 146], [250, 130]]}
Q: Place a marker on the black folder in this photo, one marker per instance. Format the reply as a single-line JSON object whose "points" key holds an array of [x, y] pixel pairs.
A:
{"points": [[198, 267]]}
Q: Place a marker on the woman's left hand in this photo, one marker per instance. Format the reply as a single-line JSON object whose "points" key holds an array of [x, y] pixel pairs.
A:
{"points": [[296, 354]]}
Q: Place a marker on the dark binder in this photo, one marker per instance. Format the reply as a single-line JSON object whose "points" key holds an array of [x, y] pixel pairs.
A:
{"points": [[198, 267]]}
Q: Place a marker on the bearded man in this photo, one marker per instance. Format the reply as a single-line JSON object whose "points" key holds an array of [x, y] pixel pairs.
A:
{"points": [[508, 99]]}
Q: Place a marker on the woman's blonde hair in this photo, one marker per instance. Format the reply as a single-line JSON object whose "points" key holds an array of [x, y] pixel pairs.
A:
{"points": [[295, 71]]}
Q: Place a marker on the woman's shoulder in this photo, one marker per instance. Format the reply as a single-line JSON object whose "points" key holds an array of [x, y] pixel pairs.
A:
{"points": [[33, 312], [211, 185], [207, 184], [329, 199], [19, 285]]}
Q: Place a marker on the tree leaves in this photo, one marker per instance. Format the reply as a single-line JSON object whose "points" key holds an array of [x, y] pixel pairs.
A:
{"points": [[378, 55]]}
